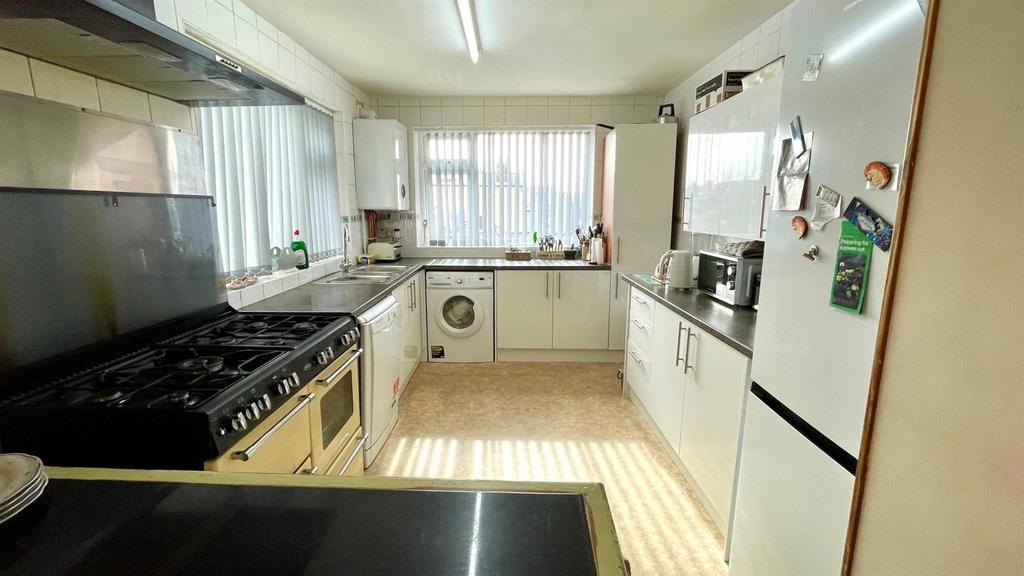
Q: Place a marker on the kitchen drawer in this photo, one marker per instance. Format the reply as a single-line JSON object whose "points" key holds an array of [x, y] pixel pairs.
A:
{"points": [[640, 335], [351, 455], [641, 306], [638, 367], [282, 451]]}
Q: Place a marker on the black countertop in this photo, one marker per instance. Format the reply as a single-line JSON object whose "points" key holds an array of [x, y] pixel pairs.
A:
{"points": [[97, 527], [357, 298], [732, 325]]}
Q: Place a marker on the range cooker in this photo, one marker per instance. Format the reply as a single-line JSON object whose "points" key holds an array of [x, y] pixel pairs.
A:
{"points": [[172, 396]]}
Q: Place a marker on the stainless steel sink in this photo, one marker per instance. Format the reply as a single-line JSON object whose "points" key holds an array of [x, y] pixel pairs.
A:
{"points": [[372, 274]]}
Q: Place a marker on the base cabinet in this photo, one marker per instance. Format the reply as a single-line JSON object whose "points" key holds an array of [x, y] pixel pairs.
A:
{"points": [[692, 385], [580, 315], [543, 310], [523, 309], [410, 298]]}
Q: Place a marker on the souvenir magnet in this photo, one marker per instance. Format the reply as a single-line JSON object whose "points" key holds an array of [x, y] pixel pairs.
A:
{"points": [[799, 226], [878, 174]]}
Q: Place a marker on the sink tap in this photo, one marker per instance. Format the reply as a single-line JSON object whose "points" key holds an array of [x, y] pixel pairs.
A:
{"points": [[346, 264]]}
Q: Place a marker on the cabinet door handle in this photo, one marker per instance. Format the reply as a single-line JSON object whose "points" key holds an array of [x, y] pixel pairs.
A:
{"points": [[559, 285], [686, 359], [760, 223], [616, 285], [408, 288], [618, 250], [635, 359], [547, 284], [245, 455], [679, 340]]}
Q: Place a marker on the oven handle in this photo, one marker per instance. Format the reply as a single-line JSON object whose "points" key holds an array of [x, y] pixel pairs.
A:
{"points": [[334, 375], [352, 458], [245, 455]]}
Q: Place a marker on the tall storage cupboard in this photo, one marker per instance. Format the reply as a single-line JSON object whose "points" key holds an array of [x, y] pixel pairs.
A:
{"points": [[382, 164], [637, 192]]}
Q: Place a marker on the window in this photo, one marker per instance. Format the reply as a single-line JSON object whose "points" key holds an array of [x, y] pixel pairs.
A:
{"points": [[271, 169], [498, 187]]}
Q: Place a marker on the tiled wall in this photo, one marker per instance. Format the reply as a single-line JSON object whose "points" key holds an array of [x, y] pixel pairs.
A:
{"points": [[433, 111], [273, 285], [762, 45], [32, 77]]}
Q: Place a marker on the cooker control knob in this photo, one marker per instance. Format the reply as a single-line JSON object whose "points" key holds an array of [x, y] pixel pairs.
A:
{"points": [[251, 412], [264, 402], [284, 386], [255, 408], [239, 422], [295, 380]]}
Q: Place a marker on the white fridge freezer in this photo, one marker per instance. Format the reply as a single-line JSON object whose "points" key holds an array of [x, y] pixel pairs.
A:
{"points": [[812, 361]]}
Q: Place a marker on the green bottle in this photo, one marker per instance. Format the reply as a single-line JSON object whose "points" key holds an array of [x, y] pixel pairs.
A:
{"points": [[299, 245]]}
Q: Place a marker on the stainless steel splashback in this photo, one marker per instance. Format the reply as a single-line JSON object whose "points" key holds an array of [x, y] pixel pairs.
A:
{"points": [[78, 268], [54, 146]]}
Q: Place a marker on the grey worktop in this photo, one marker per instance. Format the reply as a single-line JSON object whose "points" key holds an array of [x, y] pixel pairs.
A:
{"points": [[357, 298], [732, 325]]}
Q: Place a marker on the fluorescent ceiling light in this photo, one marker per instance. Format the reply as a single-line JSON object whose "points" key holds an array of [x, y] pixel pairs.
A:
{"points": [[469, 28]]}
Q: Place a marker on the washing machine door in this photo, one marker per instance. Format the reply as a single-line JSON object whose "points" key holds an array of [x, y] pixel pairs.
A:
{"points": [[459, 315]]}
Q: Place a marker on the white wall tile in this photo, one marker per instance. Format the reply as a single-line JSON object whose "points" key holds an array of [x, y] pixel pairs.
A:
{"points": [[170, 113], [580, 100], [602, 115], [451, 100], [63, 85], [749, 59], [301, 54], [220, 21], [272, 287], [265, 27], [285, 42], [268, 51], [750, 40], [430, 100], [624, 100], [579, 114], [494, 115], [289, 281], [251, 295], [536, 100], [431, 116], [235, 299], [515, 100], [558, 100], [244, 12], [768, 49], [408, 101], [536, 115], [14, 73], [601, 100], [388, 101], [286, 64], [772, 24], [645, 113], [452, 115], [515, 115], [123, 101], [494, 100], [472, 100], [247, 39], [622, 113], [558, 114], [473, 115], [409, 115], [305, 276]]}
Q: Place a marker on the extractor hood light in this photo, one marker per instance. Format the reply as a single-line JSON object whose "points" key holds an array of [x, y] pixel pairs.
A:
{"points": [[469, 28]]}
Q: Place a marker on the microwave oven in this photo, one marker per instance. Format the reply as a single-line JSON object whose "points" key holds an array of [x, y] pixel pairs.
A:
{"points": [[731, 279]]}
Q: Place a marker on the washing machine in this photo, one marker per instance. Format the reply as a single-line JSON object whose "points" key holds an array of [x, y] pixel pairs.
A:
{"points": [[460, 321]]}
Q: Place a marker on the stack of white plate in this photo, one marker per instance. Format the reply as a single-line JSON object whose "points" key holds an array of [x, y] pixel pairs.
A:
{"points": [[22, 481]]}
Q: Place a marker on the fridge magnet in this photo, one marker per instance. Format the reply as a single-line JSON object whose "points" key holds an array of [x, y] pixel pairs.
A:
{"points": [[853, 260], [812, 66], [870, 223], [826, 207], [791, 175], [877, 174], [799, 226]]}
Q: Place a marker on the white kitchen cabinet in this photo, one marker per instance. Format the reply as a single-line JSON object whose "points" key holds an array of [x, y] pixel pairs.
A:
{"points": [[729, 163], [410, 298], [524, 307], [382, 164], [668, 373], [581, 309], [712, 417], [618, 306]]}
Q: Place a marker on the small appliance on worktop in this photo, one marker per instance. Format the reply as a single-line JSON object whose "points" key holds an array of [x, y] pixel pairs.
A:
{"points": [[730, 278]]}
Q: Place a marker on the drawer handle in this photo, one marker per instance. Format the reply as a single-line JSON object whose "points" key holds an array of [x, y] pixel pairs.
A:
{"points": [[639, 325], [635, 359], [334, 375], [352, 458], [245, 455], [641, 301]]}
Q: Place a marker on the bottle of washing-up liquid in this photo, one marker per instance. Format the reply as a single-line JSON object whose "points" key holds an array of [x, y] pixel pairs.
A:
{"points": [[299, 245]]}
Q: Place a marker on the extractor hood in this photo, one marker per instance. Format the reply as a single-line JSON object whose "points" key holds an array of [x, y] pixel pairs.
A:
{"points": [[121, 41]]}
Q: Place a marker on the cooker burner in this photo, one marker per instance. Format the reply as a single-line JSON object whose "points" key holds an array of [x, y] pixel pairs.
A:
{"points": [[104, 395], [256, 326], [225, 340], [200, 365], [303, 328]]}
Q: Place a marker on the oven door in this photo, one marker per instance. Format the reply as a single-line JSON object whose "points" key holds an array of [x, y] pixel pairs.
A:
{"points": [[279, 444], [334, 413]]}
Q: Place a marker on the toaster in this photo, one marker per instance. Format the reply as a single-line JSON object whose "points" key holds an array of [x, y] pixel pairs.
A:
{"points": [[385, 251]]}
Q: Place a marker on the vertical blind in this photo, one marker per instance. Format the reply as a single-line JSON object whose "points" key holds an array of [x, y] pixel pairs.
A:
{"points": [[498, 187], [271, 169]]}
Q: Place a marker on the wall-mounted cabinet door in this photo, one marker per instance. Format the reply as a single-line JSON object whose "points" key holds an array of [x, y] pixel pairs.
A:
{"points": [[581, 309], [523, 302], [712, 412]]}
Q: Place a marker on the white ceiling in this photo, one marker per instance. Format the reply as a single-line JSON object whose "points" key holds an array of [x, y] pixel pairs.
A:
{"points": [[548, 47]]}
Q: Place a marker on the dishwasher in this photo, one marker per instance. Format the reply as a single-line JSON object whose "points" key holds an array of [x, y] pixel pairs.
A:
{"points": [[381, 337]]}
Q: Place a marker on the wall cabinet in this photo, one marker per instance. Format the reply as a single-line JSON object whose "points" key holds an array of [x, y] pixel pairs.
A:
{"points": [[561, 309], [692, 385], [729, 163], [410, 300], [382, 166]]}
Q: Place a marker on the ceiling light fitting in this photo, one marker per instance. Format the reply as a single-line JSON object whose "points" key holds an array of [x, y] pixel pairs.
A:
{"points": [[469, 28]]}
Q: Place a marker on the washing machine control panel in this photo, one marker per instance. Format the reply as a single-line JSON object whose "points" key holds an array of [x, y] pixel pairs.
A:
{"points": [[460, 279]]}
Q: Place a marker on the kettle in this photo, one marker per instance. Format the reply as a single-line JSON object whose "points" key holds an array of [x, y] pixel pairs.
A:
{"points": [[675, 269]]}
